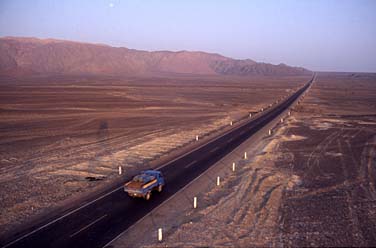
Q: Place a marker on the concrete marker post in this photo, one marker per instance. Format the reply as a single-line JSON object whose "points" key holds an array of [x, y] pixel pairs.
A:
{"points": [[245, 155], [233, 166], [160, 234], [195, 202], [196, 137], [270, 132], [120, 170], [250, 115], [218, 181], [230, 123]]}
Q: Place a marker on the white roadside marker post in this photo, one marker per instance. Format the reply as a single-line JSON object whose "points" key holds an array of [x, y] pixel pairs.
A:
{"points": [[270, 132], [289, 113], [160, 234], [250, 115], [195, 202], [218, 181], [196, 137], [262, 109], [230, 123], [281, 120], [233, 166], [120, 170], [245, 155]]}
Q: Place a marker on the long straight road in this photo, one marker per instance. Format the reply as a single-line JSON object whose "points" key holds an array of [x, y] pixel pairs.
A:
{"points": [[97, 223]]}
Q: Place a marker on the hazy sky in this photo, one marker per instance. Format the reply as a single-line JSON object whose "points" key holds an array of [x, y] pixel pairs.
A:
{"points": [[318, 34]]}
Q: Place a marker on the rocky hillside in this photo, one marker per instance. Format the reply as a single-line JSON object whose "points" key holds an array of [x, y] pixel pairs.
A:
{"points": [[24, 56]]}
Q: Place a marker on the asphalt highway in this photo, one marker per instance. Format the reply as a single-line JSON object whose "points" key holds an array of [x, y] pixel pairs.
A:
{"points": [[97, 223]]}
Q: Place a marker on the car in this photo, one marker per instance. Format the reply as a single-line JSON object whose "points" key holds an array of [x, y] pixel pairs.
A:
{"points": [[143, 184]]}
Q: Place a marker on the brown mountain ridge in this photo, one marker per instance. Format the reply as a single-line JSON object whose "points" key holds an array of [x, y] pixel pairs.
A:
{"points": [[24, 56]]}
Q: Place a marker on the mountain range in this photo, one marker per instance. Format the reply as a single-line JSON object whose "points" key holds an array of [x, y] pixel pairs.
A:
{"points": [[30, 56]]}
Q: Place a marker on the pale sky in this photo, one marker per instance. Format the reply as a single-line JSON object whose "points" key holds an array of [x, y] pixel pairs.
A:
{"points": [[326, 35]]}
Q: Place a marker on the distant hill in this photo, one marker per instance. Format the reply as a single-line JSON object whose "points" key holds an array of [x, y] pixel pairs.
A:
{"points": [[26, 56]]}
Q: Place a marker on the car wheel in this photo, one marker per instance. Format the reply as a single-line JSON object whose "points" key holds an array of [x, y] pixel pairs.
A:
{"points": [[147, 196], [160, 187]]}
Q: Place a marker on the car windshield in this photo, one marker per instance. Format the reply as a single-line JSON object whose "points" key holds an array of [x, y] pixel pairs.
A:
{"points": [[143, 178]]}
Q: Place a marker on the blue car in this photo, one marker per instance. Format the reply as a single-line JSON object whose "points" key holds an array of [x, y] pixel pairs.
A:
{"points": [[144, 184]]}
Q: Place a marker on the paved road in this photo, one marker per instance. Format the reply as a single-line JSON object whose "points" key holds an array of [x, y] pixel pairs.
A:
{"points": [[98, 223]]}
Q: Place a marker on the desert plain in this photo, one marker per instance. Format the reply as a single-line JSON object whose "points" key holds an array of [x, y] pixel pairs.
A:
{"points": [[65, 136], [310, 183]]}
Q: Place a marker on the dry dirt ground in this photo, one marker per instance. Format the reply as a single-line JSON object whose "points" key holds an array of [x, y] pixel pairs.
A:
{"points": [[58, 133], [335, 204], [312, 183]]}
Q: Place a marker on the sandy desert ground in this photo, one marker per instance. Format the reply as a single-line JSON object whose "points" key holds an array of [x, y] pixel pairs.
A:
{"points": [[312, 183], [336, 163], [61, 137]]}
